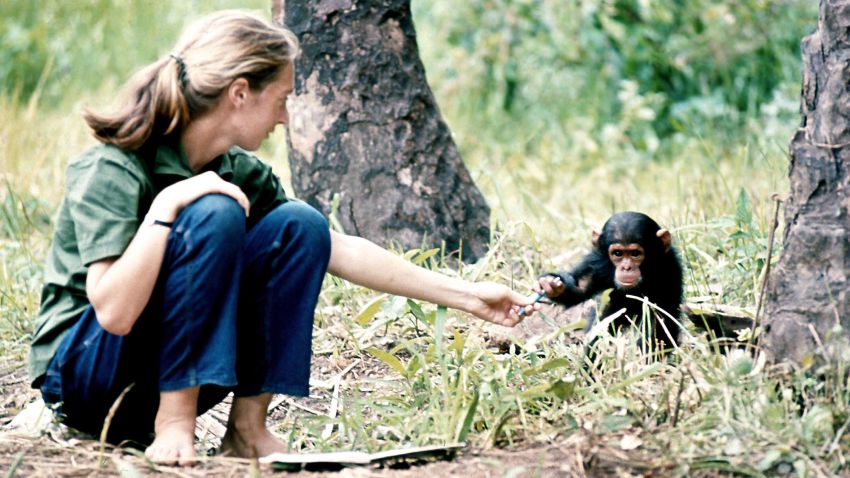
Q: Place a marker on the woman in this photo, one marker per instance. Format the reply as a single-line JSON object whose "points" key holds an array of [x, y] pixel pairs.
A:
{"points": [[180, 272]]}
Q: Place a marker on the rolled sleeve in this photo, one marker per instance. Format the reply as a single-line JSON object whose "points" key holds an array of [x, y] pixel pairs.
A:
{"points": [[103, 202]]}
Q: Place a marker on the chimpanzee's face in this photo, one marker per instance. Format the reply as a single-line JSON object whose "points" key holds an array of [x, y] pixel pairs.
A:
{"points": [[626, 259]]}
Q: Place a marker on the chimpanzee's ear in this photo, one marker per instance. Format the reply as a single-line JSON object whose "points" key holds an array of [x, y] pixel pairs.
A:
{"points": [[666, 238], [594, 239]]}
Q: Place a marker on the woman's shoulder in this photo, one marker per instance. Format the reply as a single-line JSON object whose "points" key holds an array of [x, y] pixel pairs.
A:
{"points": [[105, 153], [105, 163]]}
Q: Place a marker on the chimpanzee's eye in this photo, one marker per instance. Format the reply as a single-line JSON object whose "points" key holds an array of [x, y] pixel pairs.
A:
{"points": [[617, 253]]}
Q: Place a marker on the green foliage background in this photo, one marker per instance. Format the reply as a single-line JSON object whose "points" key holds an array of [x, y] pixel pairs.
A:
{"points": [[564, 111], [60, 50], [581, 107], [545, 60]]}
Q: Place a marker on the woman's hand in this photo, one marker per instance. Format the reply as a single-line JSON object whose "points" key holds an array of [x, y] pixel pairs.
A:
{"points": [[171, 200], [497, 303]]}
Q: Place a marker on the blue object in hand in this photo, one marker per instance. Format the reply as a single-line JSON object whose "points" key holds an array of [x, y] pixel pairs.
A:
{"points": [[540, 295]]}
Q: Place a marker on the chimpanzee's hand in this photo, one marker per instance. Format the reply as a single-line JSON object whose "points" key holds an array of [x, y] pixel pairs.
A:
{"points": [[551, 285]]}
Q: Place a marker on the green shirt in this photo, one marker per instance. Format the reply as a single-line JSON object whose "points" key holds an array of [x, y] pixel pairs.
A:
{"points": [[108, 191]]}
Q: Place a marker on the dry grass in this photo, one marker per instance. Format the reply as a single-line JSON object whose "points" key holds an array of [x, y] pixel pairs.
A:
{"points": [[405, 374]]}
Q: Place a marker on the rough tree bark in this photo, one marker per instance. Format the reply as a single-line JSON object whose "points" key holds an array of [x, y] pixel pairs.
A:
{"points": [[364, 124], [808, 293]]}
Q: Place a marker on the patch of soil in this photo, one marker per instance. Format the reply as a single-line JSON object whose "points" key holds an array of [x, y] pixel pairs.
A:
{"points": [[575, 456], [579, 454]]}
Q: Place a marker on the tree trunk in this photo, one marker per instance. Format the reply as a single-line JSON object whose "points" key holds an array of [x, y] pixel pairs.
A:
{"points": [[364, 124], [808, 293]]}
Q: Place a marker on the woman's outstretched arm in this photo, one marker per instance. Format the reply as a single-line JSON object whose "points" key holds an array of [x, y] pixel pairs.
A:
{"points": [[365, 263]]}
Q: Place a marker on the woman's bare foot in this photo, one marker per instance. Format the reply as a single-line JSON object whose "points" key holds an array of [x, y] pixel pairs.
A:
{"points": [[175, 428], [254, 444], [247, 436]]}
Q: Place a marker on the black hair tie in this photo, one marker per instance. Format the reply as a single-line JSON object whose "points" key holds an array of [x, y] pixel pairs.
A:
{"points": [[181, 69]]}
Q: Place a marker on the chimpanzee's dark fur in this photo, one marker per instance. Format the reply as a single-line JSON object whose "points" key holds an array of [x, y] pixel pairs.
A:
{"points": [[661, 277]]}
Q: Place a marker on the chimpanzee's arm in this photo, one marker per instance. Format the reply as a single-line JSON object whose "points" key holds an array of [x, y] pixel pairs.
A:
{"points": [[593, 275]]}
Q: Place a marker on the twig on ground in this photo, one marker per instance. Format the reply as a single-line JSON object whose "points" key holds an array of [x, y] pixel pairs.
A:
{"points": [[778, 199], [326, 433], [108, 421]]}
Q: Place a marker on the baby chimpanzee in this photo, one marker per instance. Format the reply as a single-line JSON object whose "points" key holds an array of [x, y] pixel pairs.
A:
{"points": [[632, 256]]}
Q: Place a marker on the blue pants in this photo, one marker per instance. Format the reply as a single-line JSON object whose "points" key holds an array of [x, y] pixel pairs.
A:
{"points": [[232, 311]]}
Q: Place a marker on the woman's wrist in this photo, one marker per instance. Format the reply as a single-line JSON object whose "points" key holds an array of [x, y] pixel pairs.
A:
{"points": [[151, 220], [161, 210], [467, 297], [160, 216]]}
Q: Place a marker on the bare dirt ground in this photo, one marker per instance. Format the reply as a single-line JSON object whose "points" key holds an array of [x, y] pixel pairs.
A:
{"points": [[43, 457], [55, 454], [576, 456]]}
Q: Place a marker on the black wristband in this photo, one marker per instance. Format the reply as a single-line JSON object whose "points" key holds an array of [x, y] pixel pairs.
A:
{"points": [[149, 221]]}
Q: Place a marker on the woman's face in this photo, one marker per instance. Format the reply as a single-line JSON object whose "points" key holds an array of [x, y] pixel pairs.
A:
{"points": [[263, 110]]}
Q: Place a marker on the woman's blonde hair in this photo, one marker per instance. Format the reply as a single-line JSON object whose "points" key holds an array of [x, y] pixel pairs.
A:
{"points": [[212, 52]]}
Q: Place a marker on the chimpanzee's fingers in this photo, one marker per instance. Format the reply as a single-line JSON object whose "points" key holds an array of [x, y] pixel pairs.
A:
{"points": [[550, 290]]}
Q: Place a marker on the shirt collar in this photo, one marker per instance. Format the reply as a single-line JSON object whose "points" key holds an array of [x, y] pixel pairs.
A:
{"points": [[171, 160]]}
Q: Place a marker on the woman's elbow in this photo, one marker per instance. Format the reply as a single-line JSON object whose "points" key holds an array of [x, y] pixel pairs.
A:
{"points": [[112, 321], [115, 327]]}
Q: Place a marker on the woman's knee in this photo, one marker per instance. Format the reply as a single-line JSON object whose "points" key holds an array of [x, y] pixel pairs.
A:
{"points": [[216, 215], [305, 225]]}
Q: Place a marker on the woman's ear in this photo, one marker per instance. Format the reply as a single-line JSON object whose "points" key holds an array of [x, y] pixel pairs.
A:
{"points": [[237, 92]]}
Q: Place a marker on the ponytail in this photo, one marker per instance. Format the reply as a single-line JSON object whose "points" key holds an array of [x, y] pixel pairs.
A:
{"points": [[165, 96], [155, 107]]}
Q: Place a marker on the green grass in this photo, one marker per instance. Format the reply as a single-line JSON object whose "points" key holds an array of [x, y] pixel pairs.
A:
{"points": [[552, 168]]}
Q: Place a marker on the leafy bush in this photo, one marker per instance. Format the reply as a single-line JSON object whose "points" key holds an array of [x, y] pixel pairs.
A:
{"points": [[48, 51], [691, 60]]}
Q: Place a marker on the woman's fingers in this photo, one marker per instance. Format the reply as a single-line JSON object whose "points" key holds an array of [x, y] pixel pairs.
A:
{"points": [[210, 183], [236, 193]]}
